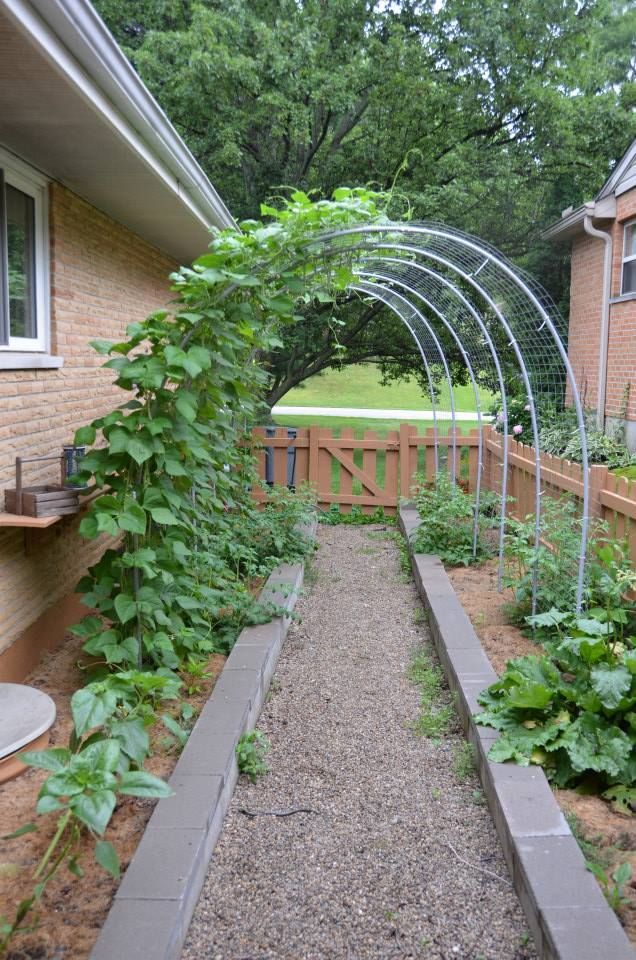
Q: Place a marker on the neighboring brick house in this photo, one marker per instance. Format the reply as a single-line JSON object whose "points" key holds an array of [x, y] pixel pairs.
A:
{"points": [[602, 330], [99, 201]]}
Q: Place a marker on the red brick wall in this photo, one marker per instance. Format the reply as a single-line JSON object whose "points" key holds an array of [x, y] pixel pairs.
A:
{"points": [[102, 278], [621, 360], [585, 315]]}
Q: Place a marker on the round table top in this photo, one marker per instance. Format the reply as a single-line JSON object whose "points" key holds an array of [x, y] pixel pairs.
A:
{"points": [[25, 713]]}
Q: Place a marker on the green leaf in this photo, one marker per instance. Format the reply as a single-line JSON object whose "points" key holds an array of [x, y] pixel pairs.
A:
{"points": [[91, 706], [95, 810], [163, 516], [134, 519], [139, 783], [125, 607], [611, 684], [21, 831], [623, 799], [101, 346], [133, 738], [186, 406], [593, 744], [106, 856], [103, 755], [622, 874], [139, 449], [88, 527], [106, 523], [55, 759], [85, 436], [47, 804], [74, 868]]}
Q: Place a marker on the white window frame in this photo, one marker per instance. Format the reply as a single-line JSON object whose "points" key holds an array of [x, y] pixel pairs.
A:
{"points": [[23, 177], [629, 259]]}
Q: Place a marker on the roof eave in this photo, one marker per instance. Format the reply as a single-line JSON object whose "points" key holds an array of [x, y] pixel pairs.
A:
{"points": [[572, 221], [84, 36]]}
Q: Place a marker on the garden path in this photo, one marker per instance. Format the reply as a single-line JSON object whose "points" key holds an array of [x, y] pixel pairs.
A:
{"points": [[399, 857]]}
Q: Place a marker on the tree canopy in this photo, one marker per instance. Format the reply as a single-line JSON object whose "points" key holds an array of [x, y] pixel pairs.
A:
{"points": [[489, 115]]}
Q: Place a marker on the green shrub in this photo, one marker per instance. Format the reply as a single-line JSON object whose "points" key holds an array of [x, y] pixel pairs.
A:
{"points": [[446, 527], [572, 708]]}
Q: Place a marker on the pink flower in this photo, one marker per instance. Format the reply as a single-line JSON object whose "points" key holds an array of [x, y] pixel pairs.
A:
{"points": [[500, 417], [517, 429]]}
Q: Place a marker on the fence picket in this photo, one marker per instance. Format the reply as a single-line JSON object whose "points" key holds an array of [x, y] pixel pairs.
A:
{"points": [[611, 498]]}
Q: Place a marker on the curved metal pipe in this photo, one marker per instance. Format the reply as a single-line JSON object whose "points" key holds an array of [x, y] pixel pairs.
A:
{"points": [[424, 360], [502, 390], [372, 287], [471, 374], [459, 239]]}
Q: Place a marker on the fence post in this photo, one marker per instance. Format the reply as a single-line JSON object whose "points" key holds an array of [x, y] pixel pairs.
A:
{"points": [[313, 457], [405, 460], [598, 481]]}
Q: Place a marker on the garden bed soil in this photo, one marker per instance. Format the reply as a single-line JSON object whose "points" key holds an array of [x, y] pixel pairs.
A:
{"points": [[611, 834], [73, 910]]}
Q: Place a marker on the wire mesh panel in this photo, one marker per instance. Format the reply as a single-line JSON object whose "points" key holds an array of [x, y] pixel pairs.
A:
{"points": [[499, 318]]}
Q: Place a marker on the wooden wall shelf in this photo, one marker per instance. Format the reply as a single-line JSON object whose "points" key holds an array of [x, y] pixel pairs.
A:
{"points": [[32, 523]]}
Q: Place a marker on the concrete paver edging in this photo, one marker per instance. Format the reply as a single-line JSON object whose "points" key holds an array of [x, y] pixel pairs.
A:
{"points": [[153, 906], [567, 913]]}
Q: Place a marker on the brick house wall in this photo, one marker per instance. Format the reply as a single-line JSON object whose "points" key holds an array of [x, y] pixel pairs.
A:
{"points": [[586, 295], [585, 312], [103, 276]]}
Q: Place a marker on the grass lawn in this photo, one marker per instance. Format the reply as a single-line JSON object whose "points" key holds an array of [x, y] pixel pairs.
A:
{"points": [[359, 386], [381, 427]]}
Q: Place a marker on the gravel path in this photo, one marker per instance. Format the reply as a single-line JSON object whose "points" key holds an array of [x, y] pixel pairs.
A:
{"points": [[370, 873]]}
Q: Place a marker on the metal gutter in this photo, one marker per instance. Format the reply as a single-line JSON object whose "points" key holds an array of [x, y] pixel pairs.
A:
{"points": [[573, 221], [82, 36], [605, 318]]}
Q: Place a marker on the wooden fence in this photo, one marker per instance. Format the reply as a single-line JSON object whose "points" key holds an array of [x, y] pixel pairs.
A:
{"points": [[374, 471]]}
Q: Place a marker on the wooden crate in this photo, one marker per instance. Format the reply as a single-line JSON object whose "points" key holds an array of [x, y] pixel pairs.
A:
{"points": [[45, 501]]}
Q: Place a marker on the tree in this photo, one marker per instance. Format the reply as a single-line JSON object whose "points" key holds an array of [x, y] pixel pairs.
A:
{"points": [[492, 114]]}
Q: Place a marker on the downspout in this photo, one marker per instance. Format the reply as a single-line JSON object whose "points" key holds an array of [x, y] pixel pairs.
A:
{"points": [[605, 318]]}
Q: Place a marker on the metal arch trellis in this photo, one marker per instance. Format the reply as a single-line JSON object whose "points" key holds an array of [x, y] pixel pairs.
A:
{"points": [[515, 303], [438, 289], [373, 286]]}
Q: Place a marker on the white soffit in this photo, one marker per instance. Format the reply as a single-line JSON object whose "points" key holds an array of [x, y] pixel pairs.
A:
{"points": [[71, 104]]}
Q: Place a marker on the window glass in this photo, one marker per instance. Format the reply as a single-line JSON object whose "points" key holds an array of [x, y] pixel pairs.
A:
{"points": [[21, 262], [629, 276]]}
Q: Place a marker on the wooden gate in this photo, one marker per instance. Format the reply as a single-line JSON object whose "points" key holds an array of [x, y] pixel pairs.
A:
{"points": [[367, 472]]}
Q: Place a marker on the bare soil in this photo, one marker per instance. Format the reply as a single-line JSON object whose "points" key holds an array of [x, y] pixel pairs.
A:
{"points": [[612, 834], [72, 911]]}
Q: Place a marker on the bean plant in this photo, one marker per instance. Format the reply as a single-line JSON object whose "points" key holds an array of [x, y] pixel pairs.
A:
{"points": [[173, 469]]}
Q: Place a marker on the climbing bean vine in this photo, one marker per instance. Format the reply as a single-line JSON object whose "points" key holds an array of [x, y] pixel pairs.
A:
{"points": [[172, 473]]}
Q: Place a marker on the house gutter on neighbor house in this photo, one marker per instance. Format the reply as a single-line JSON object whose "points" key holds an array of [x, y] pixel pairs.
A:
{"points": [[603, 208], [605, 317]]}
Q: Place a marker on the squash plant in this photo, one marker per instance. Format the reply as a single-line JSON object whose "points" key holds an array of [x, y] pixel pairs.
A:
{"points": [[171, 469]]}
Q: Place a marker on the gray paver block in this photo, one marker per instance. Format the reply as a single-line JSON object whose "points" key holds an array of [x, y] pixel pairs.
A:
{"points": [[580, 933], [524, 803], [166, 863], [222, 715], [259, 635], [537, 843], [139, 930], [466, 661], [192, 804], [208, 755], [544, 861], [241, 685], [244, 657]]}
